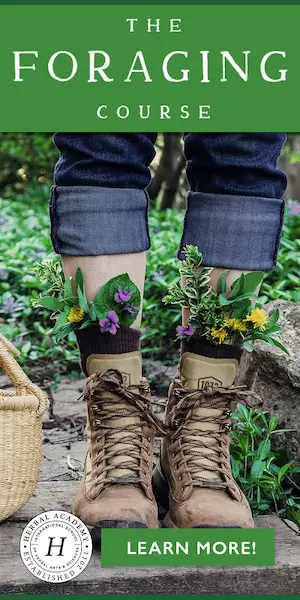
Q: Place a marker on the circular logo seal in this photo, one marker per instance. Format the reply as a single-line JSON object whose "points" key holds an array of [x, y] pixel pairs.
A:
{"points": [[56, 546]]}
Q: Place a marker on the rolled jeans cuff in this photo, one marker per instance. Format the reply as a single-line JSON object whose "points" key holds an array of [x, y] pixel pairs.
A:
{"points": [[234, 232], [92, 220]]}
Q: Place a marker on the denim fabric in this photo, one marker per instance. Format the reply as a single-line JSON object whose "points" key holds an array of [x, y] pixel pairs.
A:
{"points": [[234, 210]]}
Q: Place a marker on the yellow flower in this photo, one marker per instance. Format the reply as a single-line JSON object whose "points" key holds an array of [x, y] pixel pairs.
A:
{"points": [[259, 318], [76, 314], [229, 323], [235, 325], [218, 334]]}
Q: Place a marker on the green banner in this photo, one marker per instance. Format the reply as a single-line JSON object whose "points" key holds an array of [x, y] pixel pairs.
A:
{"points": [[149, 68], [187, 547]]}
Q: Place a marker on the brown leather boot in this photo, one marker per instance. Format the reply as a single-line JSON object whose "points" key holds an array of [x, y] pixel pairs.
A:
{"points": [[195, 457], [116, 487]]}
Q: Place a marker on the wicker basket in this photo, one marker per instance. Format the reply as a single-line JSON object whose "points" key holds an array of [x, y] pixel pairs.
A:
{"points": [[21, 415]]}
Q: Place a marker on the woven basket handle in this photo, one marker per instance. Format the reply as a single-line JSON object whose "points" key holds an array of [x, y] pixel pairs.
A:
{"points": [[15, 373]]}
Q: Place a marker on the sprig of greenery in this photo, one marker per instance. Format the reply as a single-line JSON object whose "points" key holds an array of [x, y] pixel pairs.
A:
{"points": [[268, 484], [50, 272], [217, 316], [72, 311]]}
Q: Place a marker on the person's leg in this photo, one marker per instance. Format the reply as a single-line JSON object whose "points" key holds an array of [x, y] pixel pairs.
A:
{"points": [[99, 223], [99, 215], [234, 217], [235, 206]]}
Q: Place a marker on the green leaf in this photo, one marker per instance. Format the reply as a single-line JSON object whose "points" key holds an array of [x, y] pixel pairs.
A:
{"points": [[273, 424], [82, 301], [263, 506], [264, 449], [237, 286], [294, 515], [244, 411], [241, 310], [279, 345], [243, 297], [283, 471], [237, 300], [127, 319], [252, 281], [104, 299], [86, 324], [51, 303], [26, 347], [274, 318], [274, 329], [247, 346], [224, 301], [92, 312], [257, 469], [234, 467], [222, 285], [68, 292], [79, 280], [60, 322], [64, 331]]}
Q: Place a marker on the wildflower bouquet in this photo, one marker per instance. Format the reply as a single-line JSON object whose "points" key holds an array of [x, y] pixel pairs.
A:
{"points": [[117, 302], [217, 317]]}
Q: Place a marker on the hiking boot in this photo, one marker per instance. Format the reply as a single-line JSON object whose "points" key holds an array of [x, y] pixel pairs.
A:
{"points": [[116, 487], [193, 483]]}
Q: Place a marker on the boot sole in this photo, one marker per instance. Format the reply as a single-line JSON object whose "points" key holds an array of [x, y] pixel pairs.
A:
{"points": [[161, 493], [95, 530]]}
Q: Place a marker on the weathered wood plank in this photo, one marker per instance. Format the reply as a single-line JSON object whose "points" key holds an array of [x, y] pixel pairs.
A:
{"points": [[282, 578]]}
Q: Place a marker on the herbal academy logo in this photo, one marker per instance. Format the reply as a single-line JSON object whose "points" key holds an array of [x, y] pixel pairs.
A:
{"points": [[56, 546]]}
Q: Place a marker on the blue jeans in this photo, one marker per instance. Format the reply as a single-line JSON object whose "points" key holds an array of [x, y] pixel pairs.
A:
{"points": [[234, 209]]}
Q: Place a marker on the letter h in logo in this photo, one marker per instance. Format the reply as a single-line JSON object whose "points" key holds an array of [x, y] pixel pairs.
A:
{"points": [[60, 546]]}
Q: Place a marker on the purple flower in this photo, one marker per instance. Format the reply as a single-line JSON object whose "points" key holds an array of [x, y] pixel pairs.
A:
{"points": [[36, 255], [122, 295], [10, 306], [3, 274], [133, 310], [157, 276], [185, 331], [109, 323], [294, 208]]}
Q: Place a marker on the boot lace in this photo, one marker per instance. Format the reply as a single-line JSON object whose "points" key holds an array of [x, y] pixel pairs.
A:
{"points": [[195, 442], [104, 440]]}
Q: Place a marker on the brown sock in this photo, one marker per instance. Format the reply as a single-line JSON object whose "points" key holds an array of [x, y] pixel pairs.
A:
{"points": [[198, 345], [92, 341]]}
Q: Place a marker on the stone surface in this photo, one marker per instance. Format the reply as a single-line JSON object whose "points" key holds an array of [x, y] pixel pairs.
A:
{"points": [[276, 376]]}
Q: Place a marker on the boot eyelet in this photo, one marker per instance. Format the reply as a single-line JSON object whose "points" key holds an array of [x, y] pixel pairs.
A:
{"points": [[149, 439], [173, 455], [180, 477], [175, 467]]}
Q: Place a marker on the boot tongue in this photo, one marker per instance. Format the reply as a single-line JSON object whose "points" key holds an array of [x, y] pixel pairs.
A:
{"points": [[130, 365], [200, 372]]}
